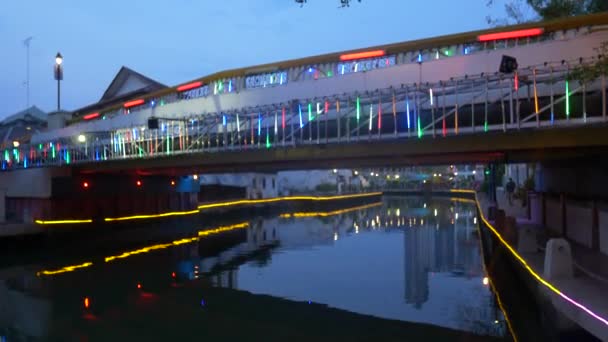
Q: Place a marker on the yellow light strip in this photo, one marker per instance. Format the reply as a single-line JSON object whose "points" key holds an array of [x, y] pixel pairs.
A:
{"points": [[493, 288], [527, 266], [286, 198], [63, 221], [64, 269], [134, 217], [178, 242], [242, 202], [330, 213]]}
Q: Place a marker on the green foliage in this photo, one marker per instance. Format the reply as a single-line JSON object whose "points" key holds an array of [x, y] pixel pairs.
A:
{"points": [[516, 10], [589, 72], [326, 187], [529, 184]]}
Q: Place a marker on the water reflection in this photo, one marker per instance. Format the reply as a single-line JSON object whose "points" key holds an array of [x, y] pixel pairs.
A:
{"points": [[408, 259]]}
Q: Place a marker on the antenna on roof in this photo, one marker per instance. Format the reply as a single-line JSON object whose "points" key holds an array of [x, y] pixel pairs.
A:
{"points": [[26, 42]]}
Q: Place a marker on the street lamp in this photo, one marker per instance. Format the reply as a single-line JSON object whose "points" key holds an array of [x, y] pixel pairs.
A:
{"points": [[58, 76]]}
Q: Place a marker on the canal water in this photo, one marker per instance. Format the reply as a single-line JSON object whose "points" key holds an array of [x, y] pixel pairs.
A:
{"points": [[392, 270]]}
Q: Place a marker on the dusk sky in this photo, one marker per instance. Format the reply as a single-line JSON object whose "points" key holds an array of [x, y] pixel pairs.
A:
{"points": [[176, 41]]}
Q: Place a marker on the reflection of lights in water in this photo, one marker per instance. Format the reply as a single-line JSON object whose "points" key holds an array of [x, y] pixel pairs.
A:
{"points": [[398, 212], [495, 321], [424, 205], [485, 281], [456, 216], [388, 212], [335, 236], [475, 220], [421, 222], [435, 212], [86, 302], [356, 229]]}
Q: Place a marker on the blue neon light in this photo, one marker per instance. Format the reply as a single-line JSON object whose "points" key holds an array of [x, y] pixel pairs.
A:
{"points": [[407, 109], [419, 58], [300, 113], [224, 119], [259, 124]]}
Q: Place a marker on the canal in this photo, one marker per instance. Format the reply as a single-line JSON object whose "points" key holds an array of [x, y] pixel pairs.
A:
{"points": [[402, 268]]}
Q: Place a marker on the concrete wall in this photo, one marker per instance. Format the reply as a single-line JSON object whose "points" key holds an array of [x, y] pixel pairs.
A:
{"points": [[31, 183], [603, 227], [429, 71], [554, 215], [579, 222]]}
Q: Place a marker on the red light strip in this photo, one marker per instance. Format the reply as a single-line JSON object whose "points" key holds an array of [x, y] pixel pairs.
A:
{"points": [[133, 103], [189, 86], [90, 116], [362, 55], [510, 34]]}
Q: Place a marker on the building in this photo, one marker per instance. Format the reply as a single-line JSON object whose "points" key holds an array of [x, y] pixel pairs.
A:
{"points": [[19, 127]]}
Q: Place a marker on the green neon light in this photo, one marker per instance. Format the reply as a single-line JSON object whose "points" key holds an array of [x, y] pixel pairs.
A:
{"points": [[67, 157], [485, 126], [567, 99], [6, 156], [358, 109], [267, 141], [40, 147], [419, 128], [330, 74], [53, 151], [310, 118]]}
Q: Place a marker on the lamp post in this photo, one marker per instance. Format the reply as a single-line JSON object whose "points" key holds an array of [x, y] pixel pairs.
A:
{"points": [[58, 77]]}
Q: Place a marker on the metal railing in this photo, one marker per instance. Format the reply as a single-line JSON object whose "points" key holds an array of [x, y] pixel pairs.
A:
{"points": [[540, 97]]}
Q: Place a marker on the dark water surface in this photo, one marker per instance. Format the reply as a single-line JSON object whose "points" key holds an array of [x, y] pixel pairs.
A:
{"points": [[392, 270]]}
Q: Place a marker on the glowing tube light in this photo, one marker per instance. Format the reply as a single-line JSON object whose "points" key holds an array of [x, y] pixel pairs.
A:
{"points": [[567, 99], [223, 119], [259, 124], [319, 110], [431, 95], [419, 128], [516, 81], [238, 123], [407, 111], [379, 115], [300, 114], [133, 103], [358, 109], [338, 106], [326, 106], [267, 138], [283, 117], [310, 118], [535, 93], [510, 34], [276, 123], [91, 116], [528, 268], [371, 116], [189, 86], [362, 55]]}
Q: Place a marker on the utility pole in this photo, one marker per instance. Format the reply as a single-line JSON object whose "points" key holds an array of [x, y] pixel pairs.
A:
{"points": [[26, 42]]}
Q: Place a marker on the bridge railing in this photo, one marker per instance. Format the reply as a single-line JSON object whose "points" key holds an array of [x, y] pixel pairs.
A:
{"points": [[538, 97]]}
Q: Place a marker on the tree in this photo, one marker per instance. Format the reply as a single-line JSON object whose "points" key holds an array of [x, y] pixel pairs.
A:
{"points": [[520, 11]]}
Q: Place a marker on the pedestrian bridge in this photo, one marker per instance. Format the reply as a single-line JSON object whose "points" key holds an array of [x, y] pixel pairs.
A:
{"points": [[430, 100]]}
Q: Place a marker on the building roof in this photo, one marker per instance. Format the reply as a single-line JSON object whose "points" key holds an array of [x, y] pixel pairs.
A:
{"points": [[126, 81], [127, 84], [30, 114]]}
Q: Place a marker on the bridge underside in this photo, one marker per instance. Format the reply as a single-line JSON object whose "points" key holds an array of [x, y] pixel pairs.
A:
{"points": [[513, 146]]}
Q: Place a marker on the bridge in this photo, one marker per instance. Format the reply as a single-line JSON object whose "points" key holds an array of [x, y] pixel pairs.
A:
{"points": [[429, 101]]}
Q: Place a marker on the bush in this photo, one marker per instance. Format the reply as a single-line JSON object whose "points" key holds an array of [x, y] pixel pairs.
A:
{"points": [[326, 187]]}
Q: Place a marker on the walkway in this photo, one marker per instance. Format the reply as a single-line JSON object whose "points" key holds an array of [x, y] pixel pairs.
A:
{"points": [[581, 298]]}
